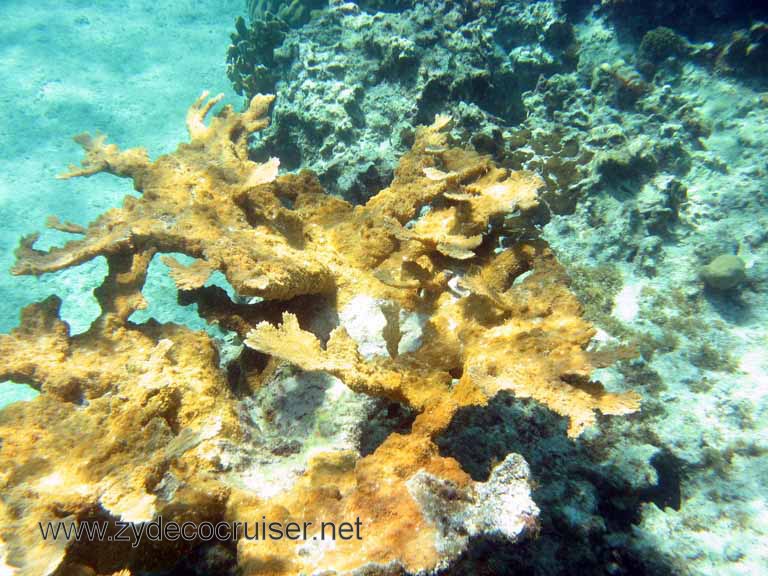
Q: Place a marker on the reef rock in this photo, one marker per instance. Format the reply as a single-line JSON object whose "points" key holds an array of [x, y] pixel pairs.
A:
{"points": [[724, 272], [352, 85]]}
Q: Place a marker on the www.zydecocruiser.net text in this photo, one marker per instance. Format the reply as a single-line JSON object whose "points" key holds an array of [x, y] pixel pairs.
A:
{"points": [[159, 530]]}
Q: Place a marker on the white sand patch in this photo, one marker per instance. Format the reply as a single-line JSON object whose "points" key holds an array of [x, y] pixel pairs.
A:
{"points": [[626, 305]]}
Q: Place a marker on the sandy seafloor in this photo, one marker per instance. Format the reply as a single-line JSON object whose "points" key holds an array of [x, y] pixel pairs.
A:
{"points": [[130, 69]]}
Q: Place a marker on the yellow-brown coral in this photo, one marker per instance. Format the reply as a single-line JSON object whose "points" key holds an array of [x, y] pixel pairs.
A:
{"points": [[132, 419]]}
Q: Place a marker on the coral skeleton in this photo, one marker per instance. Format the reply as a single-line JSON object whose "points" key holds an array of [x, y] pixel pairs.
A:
{"points": [[136, 421]]}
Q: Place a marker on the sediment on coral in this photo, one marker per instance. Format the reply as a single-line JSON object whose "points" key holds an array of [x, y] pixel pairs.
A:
{"points": [[139, 421]]}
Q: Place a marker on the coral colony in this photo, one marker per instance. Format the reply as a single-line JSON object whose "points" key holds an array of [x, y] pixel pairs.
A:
{"points": [[140, 421]]}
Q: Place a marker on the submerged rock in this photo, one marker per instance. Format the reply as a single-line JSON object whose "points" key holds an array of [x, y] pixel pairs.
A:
{"points": [[746, 54], [724, 272]]}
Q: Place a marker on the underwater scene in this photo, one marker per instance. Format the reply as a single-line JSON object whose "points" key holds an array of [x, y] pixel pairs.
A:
{"points": [[384, 288]]}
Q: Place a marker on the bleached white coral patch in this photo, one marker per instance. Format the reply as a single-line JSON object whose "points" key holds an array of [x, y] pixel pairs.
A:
{"points": [[411, 331], [501, 506], [364, 320]]}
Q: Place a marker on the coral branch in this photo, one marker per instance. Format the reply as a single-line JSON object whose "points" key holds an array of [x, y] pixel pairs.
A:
{"points": [[102, 157], [197, 113], [68, 227], [188, 277]]}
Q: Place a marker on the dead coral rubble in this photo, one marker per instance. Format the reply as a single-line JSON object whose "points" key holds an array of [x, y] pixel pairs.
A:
{"points": [[133, 420]]}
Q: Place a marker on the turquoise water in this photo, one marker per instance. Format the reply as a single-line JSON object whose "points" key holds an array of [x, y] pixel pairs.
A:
{"points": [[125, 69], [14, 392], [648, 125]]}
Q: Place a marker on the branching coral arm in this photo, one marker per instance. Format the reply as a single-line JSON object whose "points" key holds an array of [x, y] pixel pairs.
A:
{"points": [[197, 113], [102, 157]]}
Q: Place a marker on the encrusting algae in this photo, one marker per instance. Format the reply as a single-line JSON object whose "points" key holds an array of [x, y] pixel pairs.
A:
{"points": [[131, 419]]}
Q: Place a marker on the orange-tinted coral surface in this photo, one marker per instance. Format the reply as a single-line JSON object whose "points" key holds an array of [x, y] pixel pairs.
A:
{"points": [[131, 418]]}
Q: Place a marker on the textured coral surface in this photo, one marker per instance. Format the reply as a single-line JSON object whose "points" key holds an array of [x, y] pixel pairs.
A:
{"points": [[136, 421], [352, 83]]}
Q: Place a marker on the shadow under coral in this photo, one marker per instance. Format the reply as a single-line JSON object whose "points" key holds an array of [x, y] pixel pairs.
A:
{"points": [[588, 513]]}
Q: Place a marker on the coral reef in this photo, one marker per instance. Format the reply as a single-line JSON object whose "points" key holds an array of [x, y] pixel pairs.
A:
{"points": [[350, 123], [685, 15], [652, 148], [746, 53], [295, 13], [654, 166], [688, 149], [251, 56], [136, 421], [661, 43]]}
